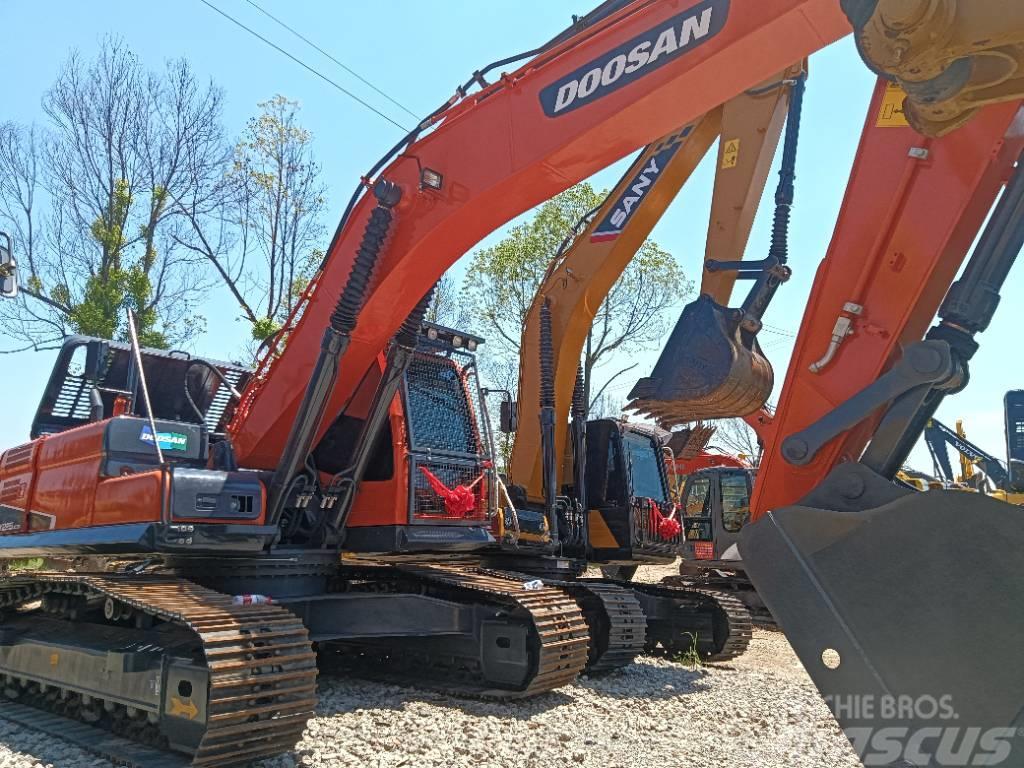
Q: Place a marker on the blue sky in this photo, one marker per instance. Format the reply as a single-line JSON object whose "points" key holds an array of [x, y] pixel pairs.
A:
{"points": [[417, 52]]}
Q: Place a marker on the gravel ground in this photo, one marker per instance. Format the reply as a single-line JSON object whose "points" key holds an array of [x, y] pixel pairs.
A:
{"points": [[758, 711]]}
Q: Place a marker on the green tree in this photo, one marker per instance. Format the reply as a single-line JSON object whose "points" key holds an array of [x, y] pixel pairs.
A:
{"points": [[90, 197], [502, 280]]}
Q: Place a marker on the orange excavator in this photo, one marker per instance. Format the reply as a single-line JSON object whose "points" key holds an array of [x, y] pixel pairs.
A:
{"points": [[342, 493]]}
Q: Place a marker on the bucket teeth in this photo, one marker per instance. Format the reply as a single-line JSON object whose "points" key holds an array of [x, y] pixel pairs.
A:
{"points": [[709, 369]]}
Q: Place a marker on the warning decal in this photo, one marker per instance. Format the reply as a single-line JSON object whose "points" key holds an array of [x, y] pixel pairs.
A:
{"points": [[890, 115], [731, 153]]}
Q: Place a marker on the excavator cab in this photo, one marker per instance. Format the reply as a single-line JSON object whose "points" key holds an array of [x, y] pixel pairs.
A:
{"points": [[715, 507], [449, 446], [714, 511], [95, 379], [630, 513], [8, 268]]}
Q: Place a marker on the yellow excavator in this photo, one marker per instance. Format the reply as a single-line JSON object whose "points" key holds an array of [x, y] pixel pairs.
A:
{"points": [[598, 490], [593, 257]]}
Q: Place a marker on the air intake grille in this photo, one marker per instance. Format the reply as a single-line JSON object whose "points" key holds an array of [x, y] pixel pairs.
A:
{"points": [[16, 458]]}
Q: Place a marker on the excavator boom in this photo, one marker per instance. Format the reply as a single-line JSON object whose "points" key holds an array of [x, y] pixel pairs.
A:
{"points": [[519, 141]]}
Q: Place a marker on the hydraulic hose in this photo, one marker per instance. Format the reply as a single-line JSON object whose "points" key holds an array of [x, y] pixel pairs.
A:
{"points": [[761, 294], [579, 434], [547, 418], [332, 347]]}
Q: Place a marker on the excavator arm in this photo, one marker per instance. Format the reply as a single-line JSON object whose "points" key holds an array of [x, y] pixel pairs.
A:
{"points": [[880, 284], [939, 437], [595, 255]]}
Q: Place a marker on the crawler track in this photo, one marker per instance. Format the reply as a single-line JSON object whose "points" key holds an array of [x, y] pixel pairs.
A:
{"points": [[617, 623], [557, 633], [730, 584], [615, 620], [720, 623], [262, 673]]}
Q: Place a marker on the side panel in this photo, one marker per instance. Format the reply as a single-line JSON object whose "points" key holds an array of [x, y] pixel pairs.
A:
{"points": [[68, 472], [129, 499], [17, 475]]}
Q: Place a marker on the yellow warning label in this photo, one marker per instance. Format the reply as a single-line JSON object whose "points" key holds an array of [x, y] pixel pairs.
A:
{"points": [[890, 115], [54, 659], [731, 153]]}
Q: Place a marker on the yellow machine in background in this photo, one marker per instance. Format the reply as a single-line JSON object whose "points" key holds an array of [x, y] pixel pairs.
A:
{"points": [[980, 471], [596, 254]]}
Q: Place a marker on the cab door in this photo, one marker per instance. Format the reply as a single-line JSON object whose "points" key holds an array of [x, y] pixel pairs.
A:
{"points": [[731, 508], [698, 499]]}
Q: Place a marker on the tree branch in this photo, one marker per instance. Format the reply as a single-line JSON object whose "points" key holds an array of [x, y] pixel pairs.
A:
{"points": [[604, 386]]}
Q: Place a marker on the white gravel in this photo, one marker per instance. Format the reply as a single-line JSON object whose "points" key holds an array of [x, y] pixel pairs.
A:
{"points": [[759, 711]]}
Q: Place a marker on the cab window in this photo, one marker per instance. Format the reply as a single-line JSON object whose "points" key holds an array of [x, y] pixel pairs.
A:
{"points": [[439, 413], [614, 479], [735, 502], [645, 467], [698, 498]]}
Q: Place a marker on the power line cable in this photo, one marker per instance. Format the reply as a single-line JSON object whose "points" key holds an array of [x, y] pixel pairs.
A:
{"points": [[348, 69], [303, 64]]}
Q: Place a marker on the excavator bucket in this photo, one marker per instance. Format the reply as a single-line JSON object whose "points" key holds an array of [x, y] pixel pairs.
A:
{"points": [[689, 442], [710, 368], [907, 616]]}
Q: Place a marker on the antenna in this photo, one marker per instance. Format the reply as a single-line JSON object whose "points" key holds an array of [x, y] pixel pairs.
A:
{"points": [[137, 352]]}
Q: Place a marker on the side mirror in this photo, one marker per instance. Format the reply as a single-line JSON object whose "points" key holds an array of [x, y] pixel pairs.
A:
{"points": [[8, 268], [509, 421], [96, 352]]}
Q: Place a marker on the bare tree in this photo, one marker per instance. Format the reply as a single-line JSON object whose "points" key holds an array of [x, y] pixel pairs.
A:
{"points": [[445, 307], [736, 437], [633, 316], [259, 230], [90, 199], [501, 374], [605, 406]]}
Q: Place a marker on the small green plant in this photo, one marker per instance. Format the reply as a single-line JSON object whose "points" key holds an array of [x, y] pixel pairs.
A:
{"points": [[691, 657]]}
